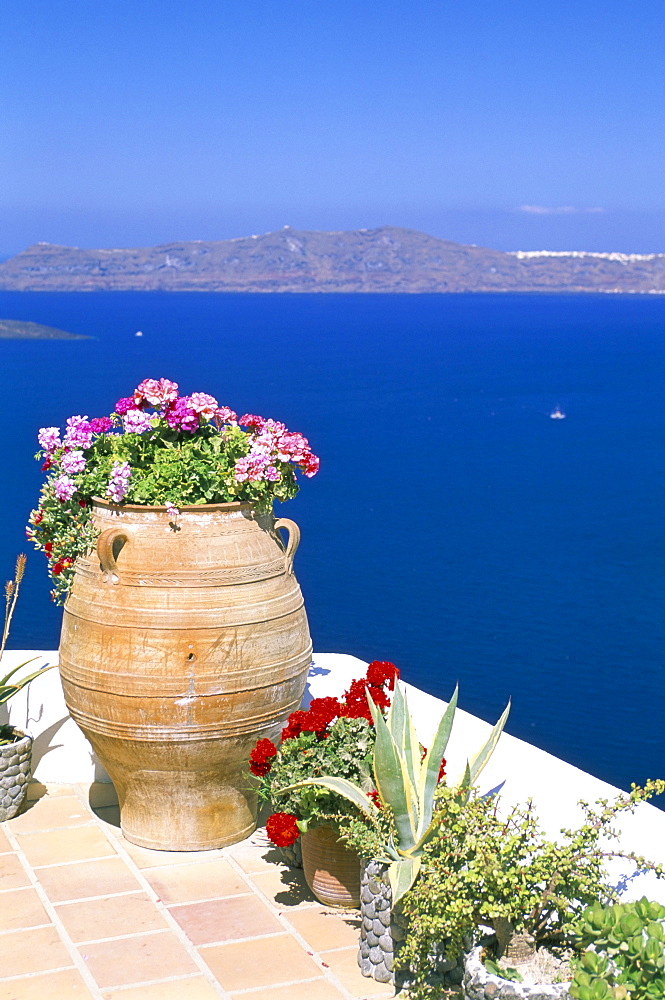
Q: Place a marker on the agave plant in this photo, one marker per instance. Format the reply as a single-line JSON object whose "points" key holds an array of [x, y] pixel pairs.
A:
{"points": [[406, 783], [7, 689]]}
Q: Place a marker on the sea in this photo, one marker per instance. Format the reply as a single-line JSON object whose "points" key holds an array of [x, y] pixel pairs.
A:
{"points": [[455, 528]]}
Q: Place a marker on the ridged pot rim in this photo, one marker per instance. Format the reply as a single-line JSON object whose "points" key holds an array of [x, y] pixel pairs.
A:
{"points": [[134, 508], [21, 737]]}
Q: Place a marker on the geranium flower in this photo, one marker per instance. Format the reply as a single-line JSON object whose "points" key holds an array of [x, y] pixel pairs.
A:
{"points": [[101, 425], [64, 488], [203, 404], [159, 393], [181, 417], [78, 433], [282, 828], [260, 759], [119, 482], [73, 462], [49, 438], [137, 422]]}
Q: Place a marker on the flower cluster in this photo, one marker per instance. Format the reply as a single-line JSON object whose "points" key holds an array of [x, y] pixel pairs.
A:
{"points": [[334, 737], [157, 448], [282, 828]]}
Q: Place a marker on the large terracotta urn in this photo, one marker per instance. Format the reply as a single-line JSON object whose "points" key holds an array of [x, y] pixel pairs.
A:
{"points": [[184, 640]]}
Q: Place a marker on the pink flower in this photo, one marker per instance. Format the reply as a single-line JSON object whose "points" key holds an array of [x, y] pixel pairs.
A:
{"points": [[119, 482], [137, 422], [73, 462], [292, 447], [156, 392], [124, 405], [49, 438], [64, 488], [226, 415], [101, 425], [203, 404], [250, 420], [310, 466], [78, 433], [256, 467], [171, 510], [180, 416]]}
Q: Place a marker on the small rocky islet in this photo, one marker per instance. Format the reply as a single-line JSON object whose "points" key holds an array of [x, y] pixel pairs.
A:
{"points": [[18, 329]]}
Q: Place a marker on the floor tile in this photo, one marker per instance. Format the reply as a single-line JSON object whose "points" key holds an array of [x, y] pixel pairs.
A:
{"points": [[34, 950], [4, 843], [36, 790], [110, 917], [143, 857], [190, 883], [178, 989], [286, 887], [54, 847], [87, 878], [242, 965], [127, 961], [317, 989], [12, 874], [21, 908], [51, 813], [64, 985], [109, 815], [256, 854], [225, 919], [324, 928], [344, 965]]}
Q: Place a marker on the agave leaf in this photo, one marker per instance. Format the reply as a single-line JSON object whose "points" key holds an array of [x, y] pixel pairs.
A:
{"points": [[343, 787], [429, 770], [7, 691], [477, 763], [401, 728], [402, 874], [392, 780]]}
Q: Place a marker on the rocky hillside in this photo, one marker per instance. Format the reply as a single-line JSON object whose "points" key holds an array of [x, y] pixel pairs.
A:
{"points": [[364, 260]]}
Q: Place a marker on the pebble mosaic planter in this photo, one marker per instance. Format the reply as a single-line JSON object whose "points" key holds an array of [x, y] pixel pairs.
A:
{"points": [[479, 984], [383, 929], [292, 856], [15, 763]]}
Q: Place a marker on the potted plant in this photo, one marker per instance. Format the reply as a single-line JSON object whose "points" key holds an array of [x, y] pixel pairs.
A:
{"points": [[184, 633], [15, 745], [493, 886], [398, 820], [334, 736]]}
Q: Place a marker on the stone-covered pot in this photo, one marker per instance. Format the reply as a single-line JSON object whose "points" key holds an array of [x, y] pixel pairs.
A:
{"points": [[332, 869], [479, 984], [383, 929], [15, 764], [292, 855]]}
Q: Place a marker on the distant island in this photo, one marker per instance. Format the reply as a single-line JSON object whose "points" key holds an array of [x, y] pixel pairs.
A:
{"points": [[18, 329], [387, 259]]}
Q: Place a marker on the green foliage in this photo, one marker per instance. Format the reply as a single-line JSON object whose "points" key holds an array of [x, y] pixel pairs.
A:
{"points": [[406, 782], [625, 954], [346, 753], [505, 972], [481, 866]]}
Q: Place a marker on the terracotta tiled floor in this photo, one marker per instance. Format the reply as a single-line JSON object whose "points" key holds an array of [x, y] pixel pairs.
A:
{"points": [[84, 914]]}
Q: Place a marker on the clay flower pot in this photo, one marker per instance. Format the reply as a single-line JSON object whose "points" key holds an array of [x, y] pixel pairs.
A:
{"points": [[182, 644], [332, 870]]}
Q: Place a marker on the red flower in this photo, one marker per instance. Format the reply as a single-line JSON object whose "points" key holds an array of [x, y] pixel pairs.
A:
{"points": [[38, 518], [380, 672], [294, 726], [442, 770], [282, 829], [57, 568], [325, 709], [48, 549], [374, 796], [260, 759]]}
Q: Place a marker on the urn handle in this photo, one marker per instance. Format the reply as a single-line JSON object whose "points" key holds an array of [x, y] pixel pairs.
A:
{"points": [[293, 542], [109, 545]]}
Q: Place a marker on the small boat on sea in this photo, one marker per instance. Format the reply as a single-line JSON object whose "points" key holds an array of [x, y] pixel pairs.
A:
{"points": [[557, 414], [139, 333]]}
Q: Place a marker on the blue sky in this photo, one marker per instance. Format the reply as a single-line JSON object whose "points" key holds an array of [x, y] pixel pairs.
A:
{"points": [[524, 125]]}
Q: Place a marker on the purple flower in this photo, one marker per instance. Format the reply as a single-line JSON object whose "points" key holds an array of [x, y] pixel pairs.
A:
{"points": [[49, 438], [137, 422], [171, 510], [119, 482], [64, 488], [78, 433], [73, 461], [181, 417], [125, 404], [101, 425]]}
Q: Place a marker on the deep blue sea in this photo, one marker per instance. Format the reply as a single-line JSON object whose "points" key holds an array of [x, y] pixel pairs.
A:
{"points": [[454, 528]]}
